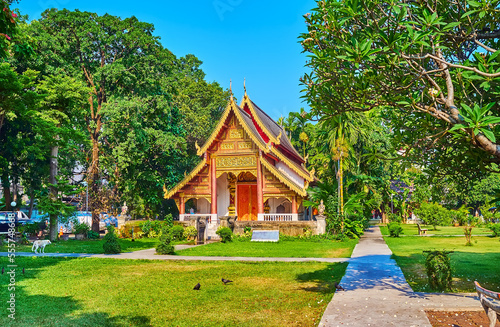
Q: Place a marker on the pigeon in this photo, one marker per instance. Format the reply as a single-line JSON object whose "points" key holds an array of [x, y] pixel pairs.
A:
{"points": [[197, 287], [225, 281], [338, 287]]}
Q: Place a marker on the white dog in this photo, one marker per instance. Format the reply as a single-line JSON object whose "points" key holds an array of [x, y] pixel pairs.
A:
{"points": [[40, 245]]}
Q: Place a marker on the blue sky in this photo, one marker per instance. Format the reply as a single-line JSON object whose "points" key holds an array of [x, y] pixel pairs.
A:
{"points": [[235, 39]]}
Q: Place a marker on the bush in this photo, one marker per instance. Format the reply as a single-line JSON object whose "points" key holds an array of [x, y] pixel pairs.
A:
{"points": [[395, 229], [353, 228], [190, 232], [165, 247], [178, 233], [153, 228], [433, 214], [247, 229], [111, 245], [225, 234], [394, 218], [495, 228], [32, 228], [437, 266], [92, 235], [81, 228]]}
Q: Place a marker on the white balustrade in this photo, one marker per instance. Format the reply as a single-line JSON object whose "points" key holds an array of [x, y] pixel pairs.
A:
{"points": [[212, 217], [278, 217]]}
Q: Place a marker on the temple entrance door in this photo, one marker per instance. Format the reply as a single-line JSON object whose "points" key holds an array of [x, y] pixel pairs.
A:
{"points": [[247, 202]]}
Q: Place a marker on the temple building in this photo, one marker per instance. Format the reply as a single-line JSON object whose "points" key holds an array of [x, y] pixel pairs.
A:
{"points": [[248, 169]]}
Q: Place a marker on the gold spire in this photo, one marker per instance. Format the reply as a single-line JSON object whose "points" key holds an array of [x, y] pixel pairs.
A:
{"points": [[244, 86], [231, 89]]}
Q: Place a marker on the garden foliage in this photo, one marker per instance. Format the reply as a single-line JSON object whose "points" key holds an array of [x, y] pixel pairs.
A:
{"points": [[395, 229], [111, 245], [165, 247], [225, 234], [438, 268]]}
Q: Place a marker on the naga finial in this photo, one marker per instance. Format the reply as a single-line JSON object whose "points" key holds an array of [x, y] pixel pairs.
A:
{"points": [[197, 146], [279, 137]]}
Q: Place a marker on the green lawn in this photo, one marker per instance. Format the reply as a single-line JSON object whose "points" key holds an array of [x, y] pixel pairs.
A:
{"points": [[293, 249], [107, 292], [478, 262], [412, 229], [90, 246]]}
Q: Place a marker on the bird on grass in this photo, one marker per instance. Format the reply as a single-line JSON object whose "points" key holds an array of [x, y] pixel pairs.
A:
{"points": [[197, 287], [225, 281], [338, 287]]}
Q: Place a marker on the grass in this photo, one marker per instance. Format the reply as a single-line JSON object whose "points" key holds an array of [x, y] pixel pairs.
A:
{"points": [[107, 292], [293, 249], [412, 229], [90, 246], [477, 262]]}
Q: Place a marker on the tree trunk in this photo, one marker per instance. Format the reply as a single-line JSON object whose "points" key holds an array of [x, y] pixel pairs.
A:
{"points": [[32, 202], [94, 179], [53, 191], [6, 192]]}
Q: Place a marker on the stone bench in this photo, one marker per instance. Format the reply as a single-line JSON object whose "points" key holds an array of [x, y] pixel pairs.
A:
{"points": [[421, 231], [489, 301]]}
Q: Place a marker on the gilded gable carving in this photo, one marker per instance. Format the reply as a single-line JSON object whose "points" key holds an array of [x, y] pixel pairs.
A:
{"points": [[242, 161], [227, 146], [236, 133]]}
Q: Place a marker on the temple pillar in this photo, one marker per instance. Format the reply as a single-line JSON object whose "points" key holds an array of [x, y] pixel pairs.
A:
{"points": [[294, 204], [182, 206], [213, 183], [260, 202]]}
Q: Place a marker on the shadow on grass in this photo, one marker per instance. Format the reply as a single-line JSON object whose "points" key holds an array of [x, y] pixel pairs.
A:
{"points": [[45, 310], [323, 281]]}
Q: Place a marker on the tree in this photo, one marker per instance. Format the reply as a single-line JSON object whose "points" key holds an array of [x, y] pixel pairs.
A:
{"points": [[431, 68], [433, 214], [64, 99], [7, 27], [113, 56]]}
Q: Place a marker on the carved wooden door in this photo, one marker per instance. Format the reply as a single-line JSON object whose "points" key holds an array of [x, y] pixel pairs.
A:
{"points": [[247, 202]]}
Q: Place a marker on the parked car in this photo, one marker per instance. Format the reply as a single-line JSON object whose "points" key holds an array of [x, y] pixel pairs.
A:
{"points": [[19, 217]]}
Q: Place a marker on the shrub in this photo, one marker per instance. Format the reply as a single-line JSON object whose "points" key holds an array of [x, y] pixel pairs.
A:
{"points": [[80, 228], [92, 235], [111, 245], [32, 228], [495, 228], [190, 232], [353, 228], [225, 234], [247, 229], [395, 229], [394, 218], [165, 247], [178, 233], [437, 266], [433, 214], [152, 228]]}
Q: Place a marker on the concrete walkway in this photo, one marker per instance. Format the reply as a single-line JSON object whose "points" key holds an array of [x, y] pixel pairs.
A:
{"points": [[149, 254], [377, 294]]}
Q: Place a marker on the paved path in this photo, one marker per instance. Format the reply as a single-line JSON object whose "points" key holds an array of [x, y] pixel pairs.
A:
{"points": [[377, 293], [149, 254]]}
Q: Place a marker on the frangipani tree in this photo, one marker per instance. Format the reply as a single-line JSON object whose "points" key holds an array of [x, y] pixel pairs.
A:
{"points": [[431, 67]]}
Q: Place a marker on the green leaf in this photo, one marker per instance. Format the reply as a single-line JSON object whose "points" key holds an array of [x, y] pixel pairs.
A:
{"points": [[493, 56], [457, 126], [489, 134]]}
